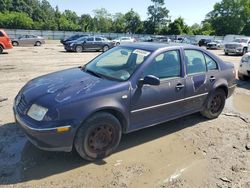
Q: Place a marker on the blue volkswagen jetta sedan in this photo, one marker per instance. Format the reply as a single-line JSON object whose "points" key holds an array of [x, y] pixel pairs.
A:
{"points": [[125, 89]]}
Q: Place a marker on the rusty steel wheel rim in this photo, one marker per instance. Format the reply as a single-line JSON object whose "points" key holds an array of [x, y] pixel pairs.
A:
{"points": [[101, 138]]}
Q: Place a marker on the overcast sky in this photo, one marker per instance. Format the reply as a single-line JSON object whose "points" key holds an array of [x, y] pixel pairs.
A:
{"points": [[193, 11]]}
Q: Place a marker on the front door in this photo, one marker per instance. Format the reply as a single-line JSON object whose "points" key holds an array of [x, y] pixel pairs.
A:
{"points": [[153, 104]]}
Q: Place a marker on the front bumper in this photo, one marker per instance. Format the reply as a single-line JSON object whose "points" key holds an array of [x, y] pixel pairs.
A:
{"points": [[69, 48], [244, 69], [48, 139], [234, 50]]}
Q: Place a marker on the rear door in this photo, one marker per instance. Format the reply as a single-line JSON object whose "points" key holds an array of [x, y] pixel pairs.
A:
{"points": [[197, 80], [153, 104]]}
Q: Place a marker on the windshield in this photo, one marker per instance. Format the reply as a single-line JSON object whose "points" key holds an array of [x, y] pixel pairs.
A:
{"points": [[118, 63], [240, 40], [81, 39]]}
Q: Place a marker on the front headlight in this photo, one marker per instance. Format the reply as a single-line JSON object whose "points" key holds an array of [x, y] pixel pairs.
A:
{"points": [[37, 112]]}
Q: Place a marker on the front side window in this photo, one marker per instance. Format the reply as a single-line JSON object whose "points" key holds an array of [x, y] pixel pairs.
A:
{"points": [[165, 65], [118, 63], [90, 39], [195, 62]]}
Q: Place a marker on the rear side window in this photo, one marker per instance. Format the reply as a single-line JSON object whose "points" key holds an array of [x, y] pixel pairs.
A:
{"points": [[1, 34], [211, 64], [98, 39], [195, 62]]}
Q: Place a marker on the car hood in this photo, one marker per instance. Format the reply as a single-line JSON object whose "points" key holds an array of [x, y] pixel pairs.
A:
{"points": [[233, 43], [64, 86]]}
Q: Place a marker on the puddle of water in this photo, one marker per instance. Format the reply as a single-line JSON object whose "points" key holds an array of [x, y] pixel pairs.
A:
{"points": [[242, 103]]}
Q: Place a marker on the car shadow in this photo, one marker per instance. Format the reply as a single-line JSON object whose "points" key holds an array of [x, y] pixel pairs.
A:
{"points": [[88, 51], [243, 84], [34, 164], [4, 53]]}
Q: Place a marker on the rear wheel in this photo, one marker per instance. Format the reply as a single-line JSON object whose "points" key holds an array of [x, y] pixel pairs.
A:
{"points": [[105, 48], [118, 43], [1, 49], [79, 49], [38, 43], [98, 137], [226, 53], [15, 43], [215, 104]]}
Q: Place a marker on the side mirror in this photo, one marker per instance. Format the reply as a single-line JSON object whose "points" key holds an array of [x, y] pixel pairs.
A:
{"points": [[151, 80]]}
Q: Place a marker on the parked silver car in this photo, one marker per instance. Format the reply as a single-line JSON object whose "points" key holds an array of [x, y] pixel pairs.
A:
{"points": [[28, 40], [238, 46]]}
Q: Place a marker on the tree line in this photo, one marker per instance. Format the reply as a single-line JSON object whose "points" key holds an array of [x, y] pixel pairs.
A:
{"points": [[227, 17]]}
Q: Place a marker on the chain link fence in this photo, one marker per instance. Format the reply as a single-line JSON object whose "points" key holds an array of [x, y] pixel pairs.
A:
{"points": [[57, 35]]}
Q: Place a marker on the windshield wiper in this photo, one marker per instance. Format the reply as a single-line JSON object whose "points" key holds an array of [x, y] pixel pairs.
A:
{"points": [[93, 73]]}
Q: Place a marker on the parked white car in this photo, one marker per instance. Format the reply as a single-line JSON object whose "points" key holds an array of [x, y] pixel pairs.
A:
{"points": [[122, 40], [244, 68], [216, 44]]}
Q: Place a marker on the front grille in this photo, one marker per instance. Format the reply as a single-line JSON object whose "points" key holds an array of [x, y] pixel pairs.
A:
{"points": [[22, 105], [230, 46]]}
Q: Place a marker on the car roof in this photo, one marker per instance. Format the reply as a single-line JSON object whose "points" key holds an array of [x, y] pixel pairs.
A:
{"points": [[150, 46]]}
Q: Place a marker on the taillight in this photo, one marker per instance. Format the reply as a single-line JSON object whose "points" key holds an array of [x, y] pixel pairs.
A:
{"points": [[234, 72]]}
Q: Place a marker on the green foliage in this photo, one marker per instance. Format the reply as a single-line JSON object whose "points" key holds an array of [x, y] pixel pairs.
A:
{"points": [[158, 16], [132, 22], [14, 20], [229, 16]]}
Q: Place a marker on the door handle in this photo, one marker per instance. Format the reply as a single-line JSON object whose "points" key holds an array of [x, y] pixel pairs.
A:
{"points": [[179, 86], [212, 79]]}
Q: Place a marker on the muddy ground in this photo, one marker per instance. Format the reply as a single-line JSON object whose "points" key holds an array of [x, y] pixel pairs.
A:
{"points": [[188, 152]]}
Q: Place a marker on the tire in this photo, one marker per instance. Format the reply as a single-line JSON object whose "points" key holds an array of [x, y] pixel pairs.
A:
{"points": [[226, 53], [15, 43], [105, 48], [215, 104], [1, 49], [244, 51], [38, 43], [118, 43], [241, 77], [79, 49], [98, 137]]}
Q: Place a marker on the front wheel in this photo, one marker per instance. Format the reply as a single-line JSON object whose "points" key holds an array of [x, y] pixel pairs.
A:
{"points": [[98, 137], [244, 51], [215, 104], [79, 49]]}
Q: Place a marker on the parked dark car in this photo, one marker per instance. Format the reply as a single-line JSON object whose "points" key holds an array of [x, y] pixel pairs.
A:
{"points": [[25, 40], [204, 42], [72, 38], [125, 89], [89, 43]]}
